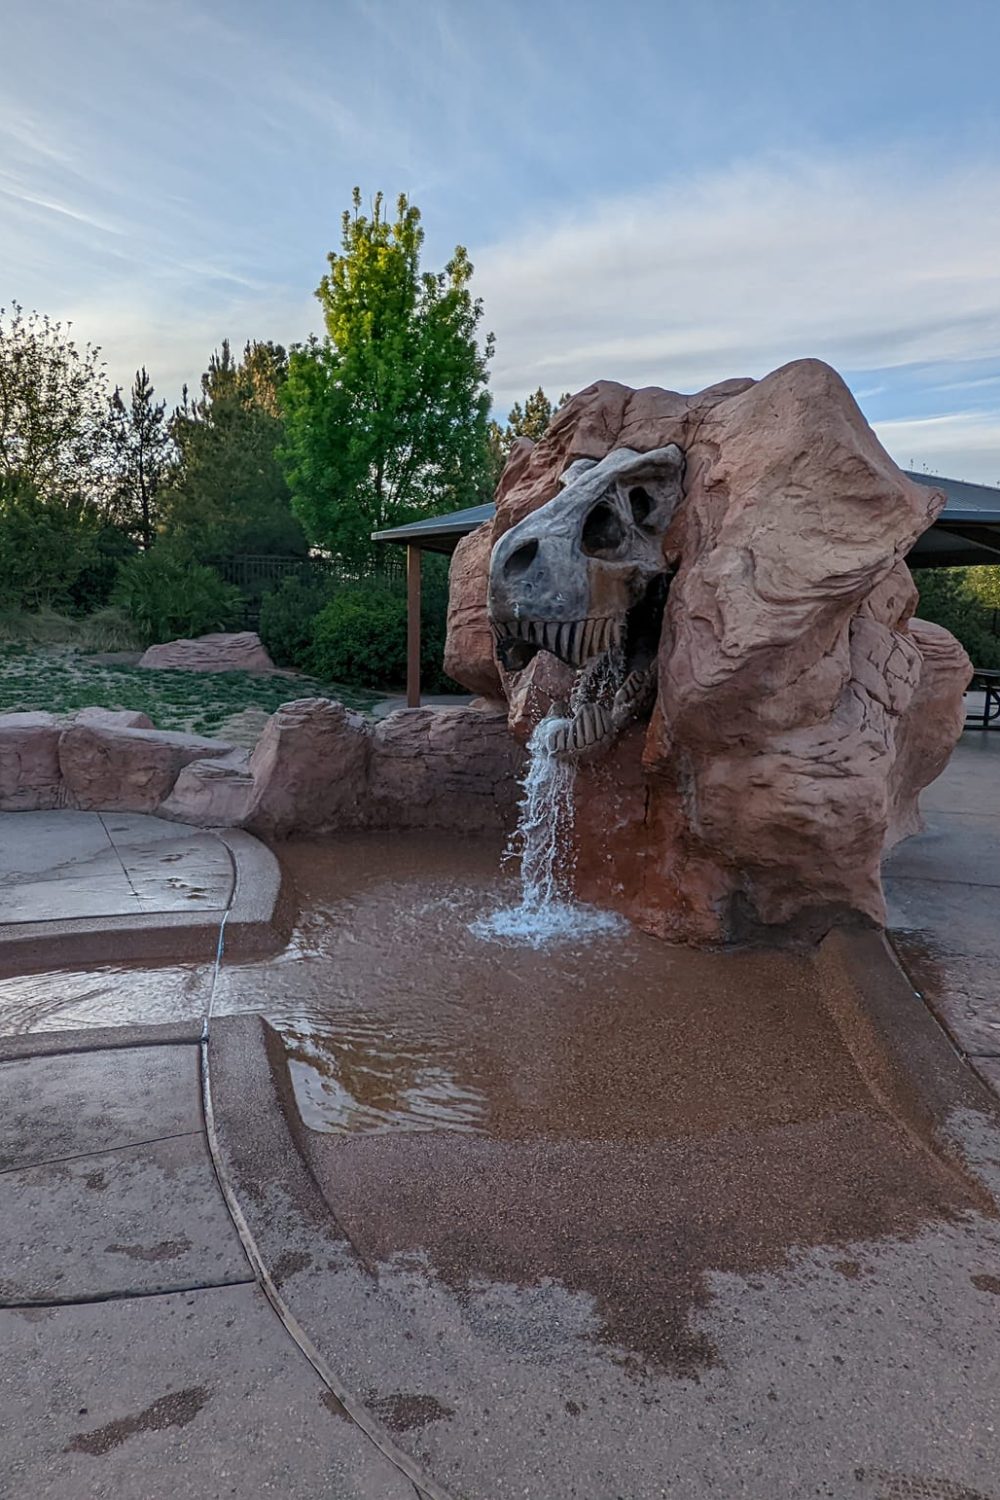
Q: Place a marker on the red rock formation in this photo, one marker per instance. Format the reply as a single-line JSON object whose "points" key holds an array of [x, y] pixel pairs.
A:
{"points": [[223, 651], [798, 713]]}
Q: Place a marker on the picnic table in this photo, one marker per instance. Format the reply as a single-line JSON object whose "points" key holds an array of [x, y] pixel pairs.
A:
{"points": [[988, 717]]}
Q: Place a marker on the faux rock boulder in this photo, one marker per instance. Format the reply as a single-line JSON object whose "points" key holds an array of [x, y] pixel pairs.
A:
{"points": [[126, 770], [30, 779], [753, 711], [222, 651]]}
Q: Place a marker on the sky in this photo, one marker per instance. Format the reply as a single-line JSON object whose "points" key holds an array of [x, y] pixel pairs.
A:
{"points": [[651, 192]]}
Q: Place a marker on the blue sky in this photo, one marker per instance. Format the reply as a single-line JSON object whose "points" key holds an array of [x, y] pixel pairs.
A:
{"points": [[651, 192]]}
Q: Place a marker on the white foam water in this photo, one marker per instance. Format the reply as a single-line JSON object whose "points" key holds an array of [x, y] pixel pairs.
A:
{"points": [[546, 912]]}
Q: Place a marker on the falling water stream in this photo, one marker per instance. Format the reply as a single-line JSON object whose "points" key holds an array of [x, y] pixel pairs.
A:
{"points": [[546, 912]]}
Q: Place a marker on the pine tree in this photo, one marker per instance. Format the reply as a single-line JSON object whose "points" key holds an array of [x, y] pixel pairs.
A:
{"points": [[143, 454]]}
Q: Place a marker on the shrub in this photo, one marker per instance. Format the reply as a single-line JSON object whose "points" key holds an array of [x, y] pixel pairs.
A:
{"points": [[108, 629], [45, 546], [165, 597], [948, 598], [94, 585], [359, 636], [287, 616]]}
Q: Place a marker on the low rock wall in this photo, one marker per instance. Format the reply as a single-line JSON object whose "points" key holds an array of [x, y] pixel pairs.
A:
{"points": [[317, 767]]}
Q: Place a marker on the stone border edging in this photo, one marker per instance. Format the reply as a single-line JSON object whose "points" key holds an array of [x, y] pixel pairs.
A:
{"points": [[906, 1058], [99, 1039], [258, 921]]}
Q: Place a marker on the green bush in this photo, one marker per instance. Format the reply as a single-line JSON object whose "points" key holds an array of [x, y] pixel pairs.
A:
{"points": [[359, 636], [45, 546], [950, 597], [165, 597], [94, 585], [287, 616]]}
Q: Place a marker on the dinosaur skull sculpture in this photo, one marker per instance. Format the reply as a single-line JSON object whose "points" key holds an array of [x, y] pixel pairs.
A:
{"points": [[585, 578]]}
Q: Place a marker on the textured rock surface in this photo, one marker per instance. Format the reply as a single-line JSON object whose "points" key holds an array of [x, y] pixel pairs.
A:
{"points": [[240, 651], [113, 718], [776, 763], [310, 769], [545, 681], [453, 768], [214, 793], [127, 770], [30, 779], [930, 726], [468, 653]]}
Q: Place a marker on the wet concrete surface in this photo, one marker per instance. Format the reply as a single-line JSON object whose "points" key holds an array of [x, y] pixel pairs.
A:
{"points": [[943, 894], [66, 864], [606, 1222], [185, 1397], [54, 1107], [611, 1220], [123, 1222]]}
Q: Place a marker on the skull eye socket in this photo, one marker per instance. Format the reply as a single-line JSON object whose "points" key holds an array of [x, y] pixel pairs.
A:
{"points": [[642, 504], [603, 531]]}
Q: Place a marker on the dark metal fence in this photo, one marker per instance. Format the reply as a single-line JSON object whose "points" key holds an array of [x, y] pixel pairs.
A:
{"points": [[256, 575]]}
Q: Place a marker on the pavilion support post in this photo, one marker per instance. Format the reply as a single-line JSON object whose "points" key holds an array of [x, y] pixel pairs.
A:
{"points": [[412, 626]]}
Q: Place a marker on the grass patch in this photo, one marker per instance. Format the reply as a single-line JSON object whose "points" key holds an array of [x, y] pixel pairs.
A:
{"points": [[61, 679]]}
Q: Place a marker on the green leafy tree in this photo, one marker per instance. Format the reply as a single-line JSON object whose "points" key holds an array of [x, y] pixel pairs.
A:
{"points": [[984, 583], [530, 420], [386, 415], [46, 545], [142, 452], [229, 496], [53, 407], [950, 597]]}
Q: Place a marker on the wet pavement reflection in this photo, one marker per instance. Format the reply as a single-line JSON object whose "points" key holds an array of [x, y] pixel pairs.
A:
{"points": [[397, 1016]]}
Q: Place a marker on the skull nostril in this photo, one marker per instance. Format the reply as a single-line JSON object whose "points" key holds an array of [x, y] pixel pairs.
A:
{"points": [[520, 560], [603, 531]]}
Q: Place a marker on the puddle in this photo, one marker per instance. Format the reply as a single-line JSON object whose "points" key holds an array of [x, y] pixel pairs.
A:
{"points": [[398, 1017]]}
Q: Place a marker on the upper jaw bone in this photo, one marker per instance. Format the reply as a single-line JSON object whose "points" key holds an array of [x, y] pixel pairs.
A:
{"points": [[575, 642]]}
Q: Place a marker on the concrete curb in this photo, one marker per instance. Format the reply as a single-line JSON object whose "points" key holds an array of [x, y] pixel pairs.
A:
{"points": [[905, 1056], [287, 1227], [258, 921], [99, 1039]]}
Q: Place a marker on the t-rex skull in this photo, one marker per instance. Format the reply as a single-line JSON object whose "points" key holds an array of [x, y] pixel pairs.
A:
{"points": [[585, 578]]}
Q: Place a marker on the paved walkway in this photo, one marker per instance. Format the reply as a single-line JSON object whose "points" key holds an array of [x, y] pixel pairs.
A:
{"points": [[943, 891], [86, 887], [141, 1360], [64, 865]]}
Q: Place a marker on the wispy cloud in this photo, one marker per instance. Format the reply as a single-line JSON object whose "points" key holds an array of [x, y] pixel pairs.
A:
{"points": [[734, 273], [738, 271], [960, 445]]}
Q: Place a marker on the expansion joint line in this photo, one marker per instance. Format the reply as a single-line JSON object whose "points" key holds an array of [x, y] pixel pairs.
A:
{"points": [[426, 1488]]}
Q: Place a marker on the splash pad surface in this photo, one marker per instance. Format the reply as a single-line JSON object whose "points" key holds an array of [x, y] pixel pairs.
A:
{"points": [[589, 1210]]}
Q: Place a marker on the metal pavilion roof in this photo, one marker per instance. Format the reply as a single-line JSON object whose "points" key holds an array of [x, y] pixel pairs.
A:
{"points": [[966, 534]]}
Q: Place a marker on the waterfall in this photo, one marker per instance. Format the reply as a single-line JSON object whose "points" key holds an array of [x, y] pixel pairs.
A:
{"points": [[542, 841]]}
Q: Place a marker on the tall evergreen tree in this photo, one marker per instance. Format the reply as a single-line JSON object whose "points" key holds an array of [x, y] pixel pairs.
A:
{"points": [[142, 452], [530, 420], [229, 495], [386, 415]]}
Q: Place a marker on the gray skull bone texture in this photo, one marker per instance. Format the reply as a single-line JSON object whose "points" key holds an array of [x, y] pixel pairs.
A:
{"points": [[712, 592], [585, 578]]}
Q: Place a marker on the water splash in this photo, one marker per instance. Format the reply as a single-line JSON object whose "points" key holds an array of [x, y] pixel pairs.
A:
{"points": [[546, 912]]}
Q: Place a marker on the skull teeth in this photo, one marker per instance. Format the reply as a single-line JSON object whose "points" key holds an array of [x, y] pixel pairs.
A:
{"points": [[573, 641]]}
